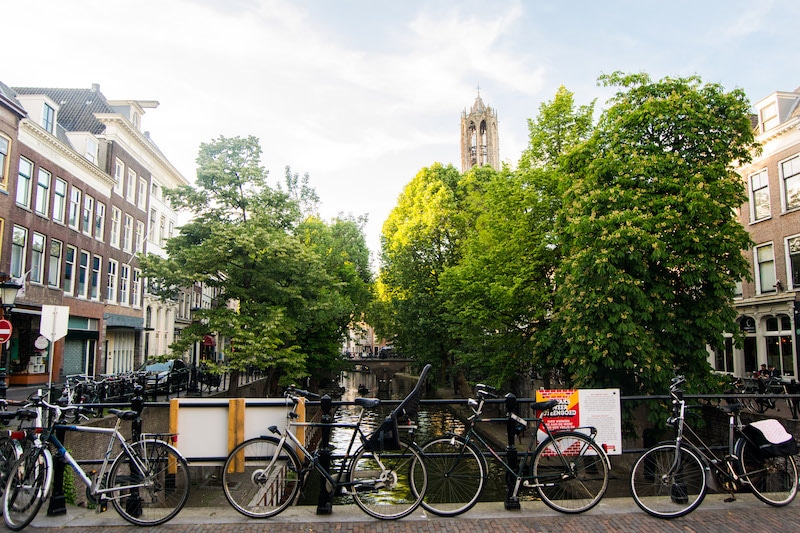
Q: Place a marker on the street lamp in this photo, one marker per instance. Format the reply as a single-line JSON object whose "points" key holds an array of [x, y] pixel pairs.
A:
{"points": [[8, 295]]}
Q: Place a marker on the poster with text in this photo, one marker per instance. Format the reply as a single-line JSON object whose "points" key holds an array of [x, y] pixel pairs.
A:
{"points": [[598, 408]]}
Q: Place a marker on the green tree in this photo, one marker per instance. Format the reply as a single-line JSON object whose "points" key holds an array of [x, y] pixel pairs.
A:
{"points": [[500, 295], [419, 240], [652, 250], [284, 291]]}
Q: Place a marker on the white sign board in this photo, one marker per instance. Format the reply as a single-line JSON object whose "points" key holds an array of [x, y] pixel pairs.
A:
{"points": [[599, 408], [55, 319]]}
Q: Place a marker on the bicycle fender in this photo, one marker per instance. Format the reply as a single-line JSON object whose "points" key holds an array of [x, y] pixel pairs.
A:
{"points": [[542, 444]]}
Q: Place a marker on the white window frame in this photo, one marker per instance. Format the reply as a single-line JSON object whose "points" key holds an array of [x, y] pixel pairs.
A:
{"points": [[136, 288], [139, 243], [24, 183], [111, 286], [74, 208], [127, 234], [790, 165], [116, 221], [99, 221], [130, 190], [41, 204], [70, 270], [766, 275], [124, 282], [97, 272], [757, 182], [38, 248], [55, 251], [19, 251], [119, 176], [84, 272], [142, 200], [87, 218], [49, 118], [5, 160], [60, 189]]}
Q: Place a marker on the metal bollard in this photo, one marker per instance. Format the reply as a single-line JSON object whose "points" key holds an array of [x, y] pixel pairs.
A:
{"points": [[325, 500], [512, 499]]}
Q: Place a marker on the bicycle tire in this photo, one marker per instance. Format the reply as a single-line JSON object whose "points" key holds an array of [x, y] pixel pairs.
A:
{"points": [[456, 475], [254, 491], [773, 480], [10, 452], [574, 487], [165, 484], [665, 495], [27, 487], [382, 485]]}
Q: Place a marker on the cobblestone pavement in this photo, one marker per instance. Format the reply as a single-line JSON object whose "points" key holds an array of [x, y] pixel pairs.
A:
{"points": [[746, 514]]}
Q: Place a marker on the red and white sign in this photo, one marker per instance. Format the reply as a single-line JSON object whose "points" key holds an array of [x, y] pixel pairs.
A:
{"points": [[5, 331]]}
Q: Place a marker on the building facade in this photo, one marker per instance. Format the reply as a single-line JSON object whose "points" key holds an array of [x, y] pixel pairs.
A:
{"points": [[768, 304], [81, 198], [480, 143]]}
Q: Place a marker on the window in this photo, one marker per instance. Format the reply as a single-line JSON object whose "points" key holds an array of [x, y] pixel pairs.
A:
{"points": [[142, 194], [97, 263], [19, 243], [769, 117], [49, 118], [136, 288], [99, 221], [83, 275], [5, 150], [74, 208], [124, 281], [54, 264], [119, 176], [723, 359], [42, 204], [139, 237], [153, 217], [162, 231], [116, 219], [765, 259], [88, 214], [111, 291], [37, 258], [69, 270], [793, 251], [91, 150], [759, 196], [59, 200], [779, 344], [790, 172], [127, 238], [130, 191], [24, 183]]}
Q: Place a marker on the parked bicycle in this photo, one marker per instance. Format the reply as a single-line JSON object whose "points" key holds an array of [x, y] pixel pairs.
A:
{"points": [[263, 476], [672, 478], [148, 482], [568, 469]]}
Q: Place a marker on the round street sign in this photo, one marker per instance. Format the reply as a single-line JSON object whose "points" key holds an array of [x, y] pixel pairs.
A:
{"points": [[5, 330]]}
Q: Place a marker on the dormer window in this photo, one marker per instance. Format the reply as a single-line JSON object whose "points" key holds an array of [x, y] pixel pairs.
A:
{"points": [[91, 149], [49, 118], [135, 119], [769, 117]]}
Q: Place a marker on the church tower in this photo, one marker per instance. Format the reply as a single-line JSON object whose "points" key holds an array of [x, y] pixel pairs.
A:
{"points": [[479, 138]]}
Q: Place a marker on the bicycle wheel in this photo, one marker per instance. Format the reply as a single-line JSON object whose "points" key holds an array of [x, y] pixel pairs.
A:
{"points": [[571, 472], [773, 480], [152, 496], [456, 475], [261, 480], [27, 487], [382, 484], [664, 492], [10, 452]]}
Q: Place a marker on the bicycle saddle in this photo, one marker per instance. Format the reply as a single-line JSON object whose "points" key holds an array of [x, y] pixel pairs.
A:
{"points": [[544, 406]]}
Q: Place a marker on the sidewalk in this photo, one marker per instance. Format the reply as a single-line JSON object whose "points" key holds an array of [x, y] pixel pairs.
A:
{"points": [[610, 515]]}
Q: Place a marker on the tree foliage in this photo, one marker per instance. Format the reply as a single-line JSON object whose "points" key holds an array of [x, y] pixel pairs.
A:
{"points": [[288, 283], [652, 250]]}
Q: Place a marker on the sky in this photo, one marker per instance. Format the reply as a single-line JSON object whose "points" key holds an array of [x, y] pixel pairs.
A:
{"points": [[363, 94]]}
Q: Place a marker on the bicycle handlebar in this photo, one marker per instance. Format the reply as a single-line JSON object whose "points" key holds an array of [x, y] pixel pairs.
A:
{"points": [[292, 391]]}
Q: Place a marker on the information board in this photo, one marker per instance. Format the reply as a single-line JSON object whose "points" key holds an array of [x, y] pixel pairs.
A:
{"points": [[577, 408]]}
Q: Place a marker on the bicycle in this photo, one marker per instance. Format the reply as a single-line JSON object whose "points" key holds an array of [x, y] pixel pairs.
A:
{"points": [[672, 478], [148, 482], [569, 469], [263, 476]]}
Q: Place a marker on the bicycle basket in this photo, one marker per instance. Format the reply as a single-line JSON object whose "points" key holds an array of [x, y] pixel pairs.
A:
{"points": [[771, 438]]}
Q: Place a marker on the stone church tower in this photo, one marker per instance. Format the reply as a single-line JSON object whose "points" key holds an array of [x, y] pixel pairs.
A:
{"points": [[479, 138]]}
